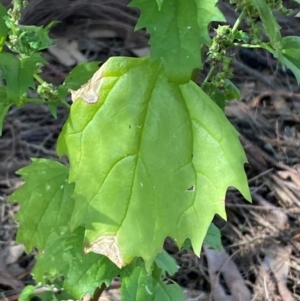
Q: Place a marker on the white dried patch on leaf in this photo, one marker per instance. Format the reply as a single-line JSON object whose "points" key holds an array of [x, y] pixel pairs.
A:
{"points": [[89, 92], [109, 247]]}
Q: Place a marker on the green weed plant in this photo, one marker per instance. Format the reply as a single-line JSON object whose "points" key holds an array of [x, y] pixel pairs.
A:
{"points": [[151, 153]]}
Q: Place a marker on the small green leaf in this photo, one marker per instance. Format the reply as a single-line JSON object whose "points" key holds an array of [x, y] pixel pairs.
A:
{"points": [[57, 256], [213, 237], [185, 23], [88, 273], [142, 286], [269, 21], [166, 263], [241, 36], [63, 255], [289, 55], [45, 200], [231, 90], [18, 74], [27, 293], [290, 50], [52, 106], [221, 95], [34, 38]]}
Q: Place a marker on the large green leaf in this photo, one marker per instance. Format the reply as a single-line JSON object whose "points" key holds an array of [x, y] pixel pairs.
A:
{"points": [[152, 159], [45, 200], [178, 29]]}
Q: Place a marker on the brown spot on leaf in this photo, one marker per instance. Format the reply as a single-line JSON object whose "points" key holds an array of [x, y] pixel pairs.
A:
{"points": [[109, 247], [89, 92]]}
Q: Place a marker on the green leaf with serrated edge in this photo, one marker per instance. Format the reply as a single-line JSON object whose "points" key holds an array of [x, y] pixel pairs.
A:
{"points": [[288, 56], [10, 67], [78, 76], [47, 194], [166, 263], [269, 21], [18, 74], [88, 273], [83, 273], [154, 151], [57, 256], [142, 286], [178, 30], [34, 38], [3, 28], [213, 237], [28, 66]]}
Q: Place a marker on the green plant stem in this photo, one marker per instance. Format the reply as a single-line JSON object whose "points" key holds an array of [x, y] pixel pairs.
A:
{"points": [[238, 21], [41, 81], [38, 78], [247, 45], [234, 29], [66, 105], [210, 73], [98, 292], [16, 12]]}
